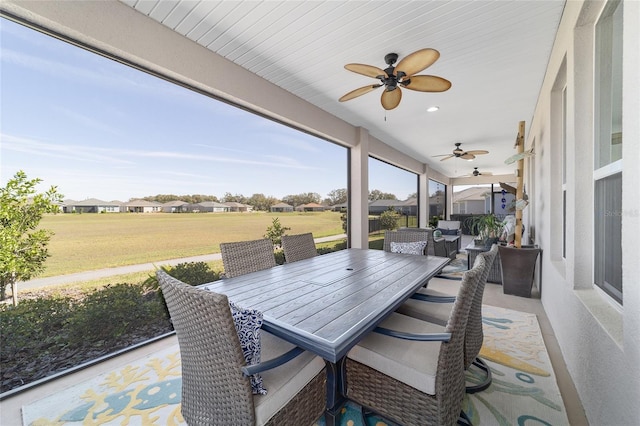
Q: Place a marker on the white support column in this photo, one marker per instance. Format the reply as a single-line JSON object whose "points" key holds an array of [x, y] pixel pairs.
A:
{"points": [[449, 199], [423, 192], [359, 191]]}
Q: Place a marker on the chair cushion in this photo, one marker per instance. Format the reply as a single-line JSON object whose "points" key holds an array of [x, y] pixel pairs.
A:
{"points": [[448, 231], [408, 248], [286, 381], [437, 313], [248, 323], [410, 362]]}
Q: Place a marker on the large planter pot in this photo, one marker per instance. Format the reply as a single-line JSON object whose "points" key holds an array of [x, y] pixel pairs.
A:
{"points": [[518, 266]]}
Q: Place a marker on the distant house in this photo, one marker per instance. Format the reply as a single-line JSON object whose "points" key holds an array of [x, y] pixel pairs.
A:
{"points": [[91, 205], [281, 207], [176, 206], [472, 201], [239, 207], [342, 207], [207, 207], [310, 207], [407, 207], [142, 206], [410, 207]]}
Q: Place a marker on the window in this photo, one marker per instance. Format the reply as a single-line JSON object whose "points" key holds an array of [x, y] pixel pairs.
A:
{"points": [[393, 187], [563, 125], [608, 152], [101, 130], [559, 135]]}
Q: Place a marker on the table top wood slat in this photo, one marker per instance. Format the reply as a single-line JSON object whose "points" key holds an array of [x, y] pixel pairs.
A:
{"points": [[325, 304]]}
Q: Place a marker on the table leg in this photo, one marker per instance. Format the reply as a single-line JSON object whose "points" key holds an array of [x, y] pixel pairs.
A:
{"points": [[336, 391]]}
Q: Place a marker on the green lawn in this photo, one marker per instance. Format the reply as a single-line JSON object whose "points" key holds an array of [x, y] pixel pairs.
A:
{"points": [[83, 242]]}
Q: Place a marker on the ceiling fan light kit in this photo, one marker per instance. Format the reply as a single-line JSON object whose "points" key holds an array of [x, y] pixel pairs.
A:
{"points": [[402, 75]]}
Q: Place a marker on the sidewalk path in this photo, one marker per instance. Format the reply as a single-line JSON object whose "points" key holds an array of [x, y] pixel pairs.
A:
{"points": [[120, 270]]}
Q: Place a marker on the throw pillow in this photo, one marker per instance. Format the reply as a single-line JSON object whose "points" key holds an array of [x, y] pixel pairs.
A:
{"points": [[248, 323], [408, 248]]}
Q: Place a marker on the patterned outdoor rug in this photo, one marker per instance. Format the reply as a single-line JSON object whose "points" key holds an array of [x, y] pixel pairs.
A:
{"points": [[455, 268], [147, 392]]}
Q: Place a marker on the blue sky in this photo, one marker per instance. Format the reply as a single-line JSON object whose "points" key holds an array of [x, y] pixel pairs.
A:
{"points": [[99, 129]]}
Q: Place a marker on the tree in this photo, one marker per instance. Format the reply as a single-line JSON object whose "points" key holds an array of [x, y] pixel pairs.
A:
{"points": [[23, 249], [297, 200], [237, 198], [376, 194], [276, 231], [389, 219], [337, 196], [261, 202]]}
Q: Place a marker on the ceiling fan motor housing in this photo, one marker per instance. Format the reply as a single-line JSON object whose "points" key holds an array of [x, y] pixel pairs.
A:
{"points": [[390, 58]]}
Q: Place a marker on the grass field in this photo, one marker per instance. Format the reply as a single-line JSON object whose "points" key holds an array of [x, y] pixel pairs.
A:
{"points": [[84, 242]]}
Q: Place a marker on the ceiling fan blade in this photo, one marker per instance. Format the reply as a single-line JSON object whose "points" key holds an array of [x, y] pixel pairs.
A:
{"points": [[359, 92], [447, 157], [428, 83], [417, 61], [391, 98], [368, 70], [467, 156], [478, 152]]}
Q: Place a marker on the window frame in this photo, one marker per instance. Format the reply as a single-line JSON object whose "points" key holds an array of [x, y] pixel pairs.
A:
{"points": [[606, 165]]}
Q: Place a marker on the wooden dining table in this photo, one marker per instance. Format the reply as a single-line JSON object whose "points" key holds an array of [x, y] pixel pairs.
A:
{"points": [[327, 303]]}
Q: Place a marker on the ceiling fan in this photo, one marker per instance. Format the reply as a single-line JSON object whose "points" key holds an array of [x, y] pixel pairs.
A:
{"points": [[402, 75], [461, 153], [476, 172]]}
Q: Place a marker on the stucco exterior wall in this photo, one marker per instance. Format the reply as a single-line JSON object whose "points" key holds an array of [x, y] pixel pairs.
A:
{"points": [[599, 340]]}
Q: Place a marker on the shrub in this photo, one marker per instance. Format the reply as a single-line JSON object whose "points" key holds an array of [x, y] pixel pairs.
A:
{"points": [[33, 327], [193, 273], [389, 219], [50, 334], [276, 231], [112, 312]]}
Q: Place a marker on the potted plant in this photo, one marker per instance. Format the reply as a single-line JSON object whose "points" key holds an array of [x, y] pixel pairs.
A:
{"points": [[518, 262], [488, 229]]}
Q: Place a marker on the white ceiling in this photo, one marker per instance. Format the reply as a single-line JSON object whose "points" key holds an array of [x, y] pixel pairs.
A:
{"points": [[495, 54]]}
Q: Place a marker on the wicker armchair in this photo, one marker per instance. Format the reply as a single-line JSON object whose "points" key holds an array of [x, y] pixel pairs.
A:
{"points": [[298, 247], [452, 224], [243, 257], [434, 307], [404, 236], [410, 371], [215, 385]]}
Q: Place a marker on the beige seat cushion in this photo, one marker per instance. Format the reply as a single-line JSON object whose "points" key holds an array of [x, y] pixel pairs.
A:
{"points": [[437, 313], [410, 362], [283, 382]]}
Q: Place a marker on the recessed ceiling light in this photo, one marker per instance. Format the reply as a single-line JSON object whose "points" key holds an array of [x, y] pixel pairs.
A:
{"points": [[433, 109]]}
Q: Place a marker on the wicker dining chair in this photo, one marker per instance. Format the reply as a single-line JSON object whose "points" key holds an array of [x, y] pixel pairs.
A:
{"points": [[243, 257], [404, 236], [216, 389], [435, 307], [298, 247], [412, 372]]}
